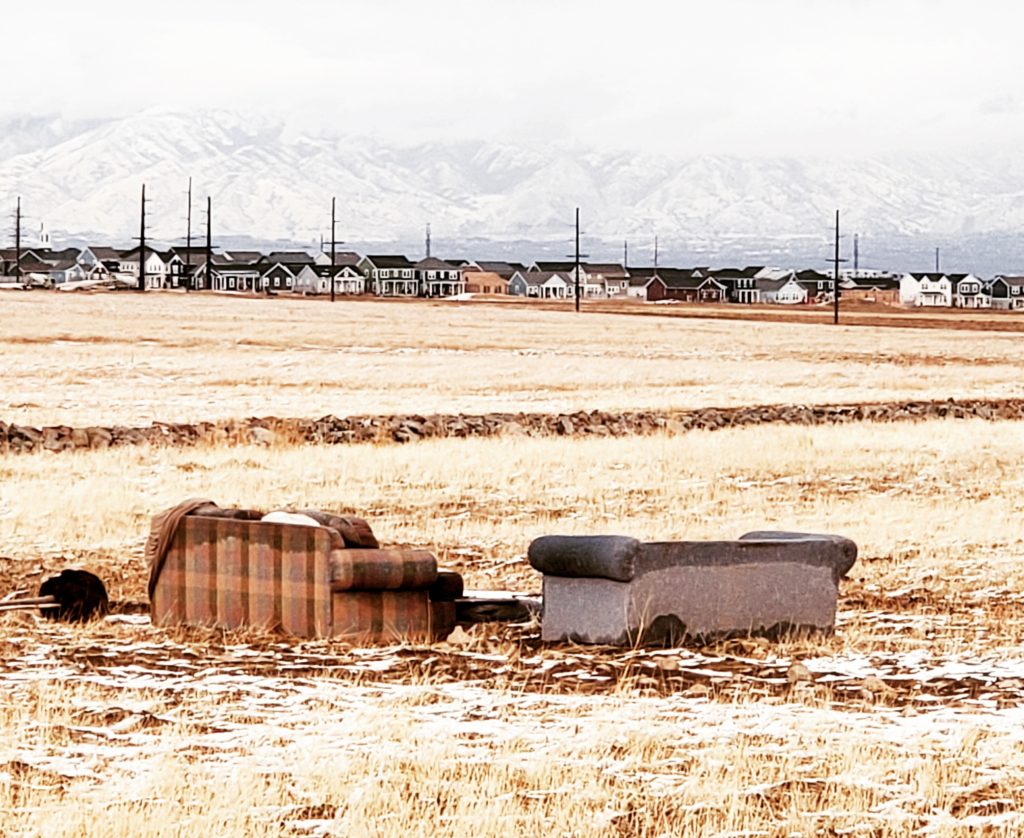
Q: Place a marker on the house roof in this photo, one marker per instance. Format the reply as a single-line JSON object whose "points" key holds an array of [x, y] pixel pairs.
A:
{"points": [[555, 266], [606, 268], [327, 271], [291, 257], [771, 284], [389, 261], [433, 263], [683, 277], [244, 255], [810, 275], [748, 272], [878, 283], [537, 278], [502, 269], [1010, 280], [931, 277], [105, 253]]}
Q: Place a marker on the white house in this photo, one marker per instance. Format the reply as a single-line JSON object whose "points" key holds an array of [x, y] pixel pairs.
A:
{"points": [[316, 279], [787, 291], [157, 271], [934, 290]]}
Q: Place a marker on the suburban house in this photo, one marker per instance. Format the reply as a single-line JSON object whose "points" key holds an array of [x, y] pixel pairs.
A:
{"points": [[503, 269], [545, 285], [640, 280], [438, 278], [817, 285], [871, 289], [969, 291], [341, 257], [484, 282], [316, 279], [389, 276], [157, 273], [611, 278], [1007, 292], [688, 285], [740, 283], [784, 291], [926, 289], [231, 274], [278, 277]]}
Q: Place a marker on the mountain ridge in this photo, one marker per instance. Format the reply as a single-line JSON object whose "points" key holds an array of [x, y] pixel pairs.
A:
{"points": [[268, 180]]}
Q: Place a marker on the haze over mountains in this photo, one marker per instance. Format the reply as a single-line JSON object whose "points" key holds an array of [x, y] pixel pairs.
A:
{"points": [[269, 182]]}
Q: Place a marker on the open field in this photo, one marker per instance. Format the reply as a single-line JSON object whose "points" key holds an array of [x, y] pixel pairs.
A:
{"points": [[121, 359], [911, 722]]}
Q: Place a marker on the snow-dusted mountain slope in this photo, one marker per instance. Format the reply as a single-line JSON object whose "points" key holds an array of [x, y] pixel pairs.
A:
{"points": [[267, 180]]}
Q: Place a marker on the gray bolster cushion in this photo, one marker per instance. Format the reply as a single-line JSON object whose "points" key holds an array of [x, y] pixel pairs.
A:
{"points": [[606, 556], [847, 549]]}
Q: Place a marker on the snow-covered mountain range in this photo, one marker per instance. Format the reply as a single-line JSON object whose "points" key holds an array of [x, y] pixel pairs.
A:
{"points": [[267, 180]]}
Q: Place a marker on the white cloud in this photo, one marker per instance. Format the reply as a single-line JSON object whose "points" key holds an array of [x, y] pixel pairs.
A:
{"points": [[735, 76]]}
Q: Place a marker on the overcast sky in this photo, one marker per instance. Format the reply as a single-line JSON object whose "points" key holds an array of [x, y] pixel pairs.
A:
{"points": [[737, 76]]}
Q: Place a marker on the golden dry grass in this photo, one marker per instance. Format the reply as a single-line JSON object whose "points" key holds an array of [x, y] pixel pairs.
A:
{"points": [[936, 508], [122, 359], [912, 726]]}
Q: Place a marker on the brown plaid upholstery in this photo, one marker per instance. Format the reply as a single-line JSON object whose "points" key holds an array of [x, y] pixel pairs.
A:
{"points": [[303, 580], [382, 570], [235, 573], [381, 616]]}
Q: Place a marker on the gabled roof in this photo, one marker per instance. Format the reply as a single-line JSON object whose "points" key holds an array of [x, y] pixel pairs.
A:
{"points": [[811, 275], [502, 269], [248, 256], [691, 278], [605, 268], [931, 277], [326, 271], [105, 253], [292, 257], [749, 272], [772, 284], [134, 253], [554, 266], [1017, 281], [537, 278], [877, 283], [432, 263], [389, 261]]}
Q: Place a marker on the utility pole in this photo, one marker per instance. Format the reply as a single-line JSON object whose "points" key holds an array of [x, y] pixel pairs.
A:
{"points": [[856, 251], [334, 238], [625, 254], [209, 243], [142, 242], [17, 239], [655, 252], [835, 278], [577, 259], [428, 239], [936, 260], [188, 241]]}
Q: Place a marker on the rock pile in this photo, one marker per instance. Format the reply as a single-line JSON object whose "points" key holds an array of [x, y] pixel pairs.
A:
{"points": [[409, 428]]}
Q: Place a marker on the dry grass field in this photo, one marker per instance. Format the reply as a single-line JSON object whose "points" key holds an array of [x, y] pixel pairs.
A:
{"points": [[119, 359], [910, 722]]}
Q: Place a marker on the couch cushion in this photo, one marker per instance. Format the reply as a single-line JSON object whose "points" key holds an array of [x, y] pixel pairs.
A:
{"points": [[382, 570], [605, 556]]}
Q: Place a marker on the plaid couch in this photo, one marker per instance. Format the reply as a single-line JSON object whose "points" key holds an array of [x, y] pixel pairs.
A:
{"points": [[227, 568]]}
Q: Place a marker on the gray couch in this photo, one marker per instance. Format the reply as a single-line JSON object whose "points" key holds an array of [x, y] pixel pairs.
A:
{"points": [[618, 590]]}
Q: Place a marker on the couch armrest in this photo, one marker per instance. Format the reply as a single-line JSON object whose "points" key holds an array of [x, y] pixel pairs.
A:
{"points": [[382, 570]]}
